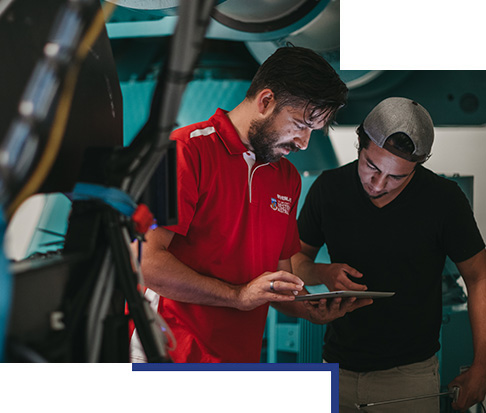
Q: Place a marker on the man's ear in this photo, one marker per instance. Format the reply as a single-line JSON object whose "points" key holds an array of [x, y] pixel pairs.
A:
{"points": [[265, 102]]}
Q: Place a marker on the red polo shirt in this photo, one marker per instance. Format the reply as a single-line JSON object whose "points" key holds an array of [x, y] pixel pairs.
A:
{"points": [[236, 221]]}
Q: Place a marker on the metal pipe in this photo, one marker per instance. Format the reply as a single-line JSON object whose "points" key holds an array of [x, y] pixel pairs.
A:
{"points": [[453, 393]]}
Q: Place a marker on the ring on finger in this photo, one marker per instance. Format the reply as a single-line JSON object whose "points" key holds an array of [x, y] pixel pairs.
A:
{"points": [[272, 288]]}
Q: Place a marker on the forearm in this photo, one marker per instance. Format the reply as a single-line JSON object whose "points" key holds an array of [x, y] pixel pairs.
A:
{"points": [[306, 269], [472, 383], [473, 271], [477, 316], [170, 278]]}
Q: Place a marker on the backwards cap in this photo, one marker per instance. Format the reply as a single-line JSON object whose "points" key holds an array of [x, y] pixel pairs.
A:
{"points": [[396, 114]]}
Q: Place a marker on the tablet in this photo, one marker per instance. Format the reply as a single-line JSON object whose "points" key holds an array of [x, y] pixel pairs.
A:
{"points": [[344, 294]]}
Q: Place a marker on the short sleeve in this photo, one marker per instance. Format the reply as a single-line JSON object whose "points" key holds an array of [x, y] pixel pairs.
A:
{"points": [[461, 236], [310, 217], [188, 167]]}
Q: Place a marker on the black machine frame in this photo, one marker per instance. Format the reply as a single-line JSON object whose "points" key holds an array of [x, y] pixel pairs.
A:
{"points": [[71, 307]]}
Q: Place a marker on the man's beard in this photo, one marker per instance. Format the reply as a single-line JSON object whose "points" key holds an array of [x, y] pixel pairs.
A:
{"points": [[263, 139]]}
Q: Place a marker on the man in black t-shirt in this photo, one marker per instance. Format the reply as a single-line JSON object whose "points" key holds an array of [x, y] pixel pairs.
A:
{"points": [[389, 224]]}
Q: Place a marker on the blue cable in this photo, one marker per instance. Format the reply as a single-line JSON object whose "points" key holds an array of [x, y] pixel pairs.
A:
{"points": [[114, 197], [5, 288]]}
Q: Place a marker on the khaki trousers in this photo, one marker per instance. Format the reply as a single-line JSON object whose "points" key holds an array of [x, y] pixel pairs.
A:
{"points": [[400, 382]]}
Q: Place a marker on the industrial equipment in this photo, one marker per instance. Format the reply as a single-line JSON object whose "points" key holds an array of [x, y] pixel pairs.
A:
{"points": [[80, 315]]}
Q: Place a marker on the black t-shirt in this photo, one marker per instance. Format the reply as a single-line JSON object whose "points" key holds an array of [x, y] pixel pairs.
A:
{"points": [[401, 247]]}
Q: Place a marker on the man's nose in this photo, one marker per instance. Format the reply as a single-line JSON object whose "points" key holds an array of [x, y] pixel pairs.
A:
{"points": [[378, 181], [303, 141]]}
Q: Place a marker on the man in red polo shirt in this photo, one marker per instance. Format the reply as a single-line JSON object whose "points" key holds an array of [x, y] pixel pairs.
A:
{"points": [[228, 257]]}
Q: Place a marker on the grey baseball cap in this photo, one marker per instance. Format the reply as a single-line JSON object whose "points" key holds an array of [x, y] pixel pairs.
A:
{"points": [[398, 114]]}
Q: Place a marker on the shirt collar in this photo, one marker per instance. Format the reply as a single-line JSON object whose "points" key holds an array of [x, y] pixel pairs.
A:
{"points": [[228, 134]]}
